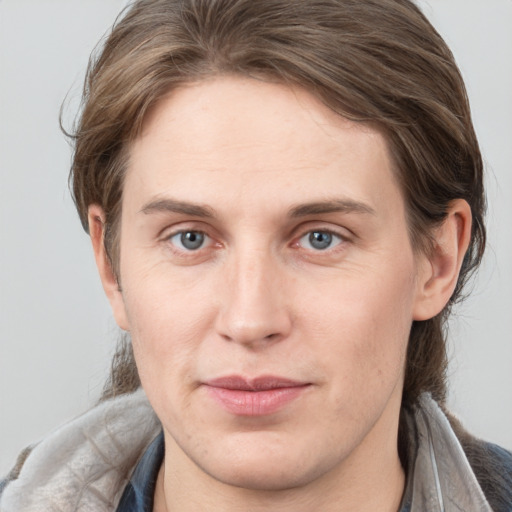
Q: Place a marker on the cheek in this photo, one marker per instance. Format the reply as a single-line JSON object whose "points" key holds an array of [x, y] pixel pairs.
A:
{"points": [[168, 317], [364, 326]]}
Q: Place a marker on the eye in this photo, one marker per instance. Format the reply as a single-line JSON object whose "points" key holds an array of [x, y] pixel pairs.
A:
{"points": [[320, 240], [189, 240]]}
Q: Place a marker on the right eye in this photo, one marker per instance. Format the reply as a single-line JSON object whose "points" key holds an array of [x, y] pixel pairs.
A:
{"points": [[189, 240]]}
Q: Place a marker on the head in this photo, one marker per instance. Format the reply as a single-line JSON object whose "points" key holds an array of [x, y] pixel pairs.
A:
{"points": [[378, 63], [177, 85], [394, 76]]}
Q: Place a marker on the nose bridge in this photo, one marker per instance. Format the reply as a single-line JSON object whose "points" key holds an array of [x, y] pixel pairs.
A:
{"points": [[254, 307]]}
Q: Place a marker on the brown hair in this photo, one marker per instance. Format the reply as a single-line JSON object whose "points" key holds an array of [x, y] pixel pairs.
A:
{"points": [[375, 61]]}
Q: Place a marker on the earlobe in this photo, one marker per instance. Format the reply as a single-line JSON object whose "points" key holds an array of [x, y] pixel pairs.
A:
{"points": [[440, 270], [96, 218]]}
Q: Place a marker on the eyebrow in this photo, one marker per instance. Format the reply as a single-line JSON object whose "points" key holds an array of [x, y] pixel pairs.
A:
{"points": [[174, 206], [301, 210], [331, 206]]}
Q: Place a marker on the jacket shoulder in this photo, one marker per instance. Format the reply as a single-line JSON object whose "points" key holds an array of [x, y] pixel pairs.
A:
{"points": [[492, 466], [86, 463]]}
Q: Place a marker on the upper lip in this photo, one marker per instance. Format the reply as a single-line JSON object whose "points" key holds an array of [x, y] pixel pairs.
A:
{"points": [[262, 383]]}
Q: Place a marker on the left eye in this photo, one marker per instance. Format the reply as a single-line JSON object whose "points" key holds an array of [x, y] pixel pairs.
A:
{"points": [[189, 240], [320, 240]]}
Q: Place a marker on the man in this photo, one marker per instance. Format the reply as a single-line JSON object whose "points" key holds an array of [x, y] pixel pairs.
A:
{"points": [[283, 200]]}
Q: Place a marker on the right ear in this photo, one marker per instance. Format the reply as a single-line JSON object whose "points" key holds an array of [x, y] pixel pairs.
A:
{"points": [[96, 218]]}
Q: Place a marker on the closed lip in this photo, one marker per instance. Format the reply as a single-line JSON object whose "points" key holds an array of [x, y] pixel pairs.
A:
{"points": [[259, 396], [261, 383]]}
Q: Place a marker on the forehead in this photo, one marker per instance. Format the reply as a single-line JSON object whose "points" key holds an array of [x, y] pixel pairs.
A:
{"points": [[231, 138]]}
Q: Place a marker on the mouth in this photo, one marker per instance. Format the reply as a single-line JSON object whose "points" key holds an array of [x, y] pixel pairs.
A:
{"points": [[254, 397]]}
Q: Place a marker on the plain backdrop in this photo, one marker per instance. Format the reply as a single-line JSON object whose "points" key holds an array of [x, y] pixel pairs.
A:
{"points": [[56, 330]]}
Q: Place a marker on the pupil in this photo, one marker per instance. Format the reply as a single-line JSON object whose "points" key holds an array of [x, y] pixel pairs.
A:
{"points": [[192, 240], [320, 240]]}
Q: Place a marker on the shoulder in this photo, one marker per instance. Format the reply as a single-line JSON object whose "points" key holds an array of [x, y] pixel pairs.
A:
{"points": [[492, 466], [450, 465], [84, 464]]}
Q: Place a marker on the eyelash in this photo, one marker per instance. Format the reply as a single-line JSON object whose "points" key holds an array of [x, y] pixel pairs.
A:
{"points": [[333, 238]]}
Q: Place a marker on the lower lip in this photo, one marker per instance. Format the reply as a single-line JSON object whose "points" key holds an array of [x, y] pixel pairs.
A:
{"points": [[255, 403]]}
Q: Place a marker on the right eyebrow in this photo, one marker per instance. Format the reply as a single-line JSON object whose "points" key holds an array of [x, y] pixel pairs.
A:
{"points": [[174, 206]]}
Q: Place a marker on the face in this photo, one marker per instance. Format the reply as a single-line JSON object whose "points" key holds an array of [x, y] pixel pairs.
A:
{"points": [[268, 283]]}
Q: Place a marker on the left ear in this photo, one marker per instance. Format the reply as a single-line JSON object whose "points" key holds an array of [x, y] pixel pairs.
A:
{"points": [[438, 271]]}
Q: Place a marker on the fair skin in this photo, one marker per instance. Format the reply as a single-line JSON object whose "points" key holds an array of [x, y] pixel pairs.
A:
{"points": [[269, 285]]}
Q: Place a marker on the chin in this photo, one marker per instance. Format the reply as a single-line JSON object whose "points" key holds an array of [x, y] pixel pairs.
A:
{"points": [[265, 465], [270, 476]]}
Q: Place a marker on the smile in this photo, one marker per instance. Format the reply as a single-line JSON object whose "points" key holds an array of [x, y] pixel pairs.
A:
{"points": [[256, 397]]}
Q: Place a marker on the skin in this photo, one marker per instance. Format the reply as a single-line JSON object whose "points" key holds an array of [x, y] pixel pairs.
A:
{"points": [[257, 298]]}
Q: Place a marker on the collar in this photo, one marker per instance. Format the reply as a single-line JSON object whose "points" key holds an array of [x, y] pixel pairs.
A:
{"points": [[440, 478]]}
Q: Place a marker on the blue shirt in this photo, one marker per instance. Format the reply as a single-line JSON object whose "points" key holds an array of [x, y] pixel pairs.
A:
{"points": [[139, 493]]}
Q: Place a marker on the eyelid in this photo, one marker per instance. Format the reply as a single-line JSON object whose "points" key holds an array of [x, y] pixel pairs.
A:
{"points": [[183, 226], [323, 227]]}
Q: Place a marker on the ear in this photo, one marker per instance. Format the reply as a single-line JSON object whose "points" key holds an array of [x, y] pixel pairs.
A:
{"points": [[438, 272], [96, 218]]}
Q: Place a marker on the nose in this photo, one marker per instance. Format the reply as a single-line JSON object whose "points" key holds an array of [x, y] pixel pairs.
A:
{"points": [[254, 309]]}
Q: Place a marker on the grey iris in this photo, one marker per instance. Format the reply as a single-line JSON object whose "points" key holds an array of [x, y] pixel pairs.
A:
{"points": [[192, 240], [320, 239]]}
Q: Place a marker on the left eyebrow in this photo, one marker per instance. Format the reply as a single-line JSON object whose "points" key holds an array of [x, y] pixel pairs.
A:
{"points": [[331, 206]]}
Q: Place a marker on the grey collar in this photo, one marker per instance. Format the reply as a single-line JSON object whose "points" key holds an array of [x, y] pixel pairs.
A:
{"points": [[440, 478]]}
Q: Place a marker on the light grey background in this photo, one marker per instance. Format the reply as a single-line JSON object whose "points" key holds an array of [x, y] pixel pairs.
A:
{"points": [[56, 331]]}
